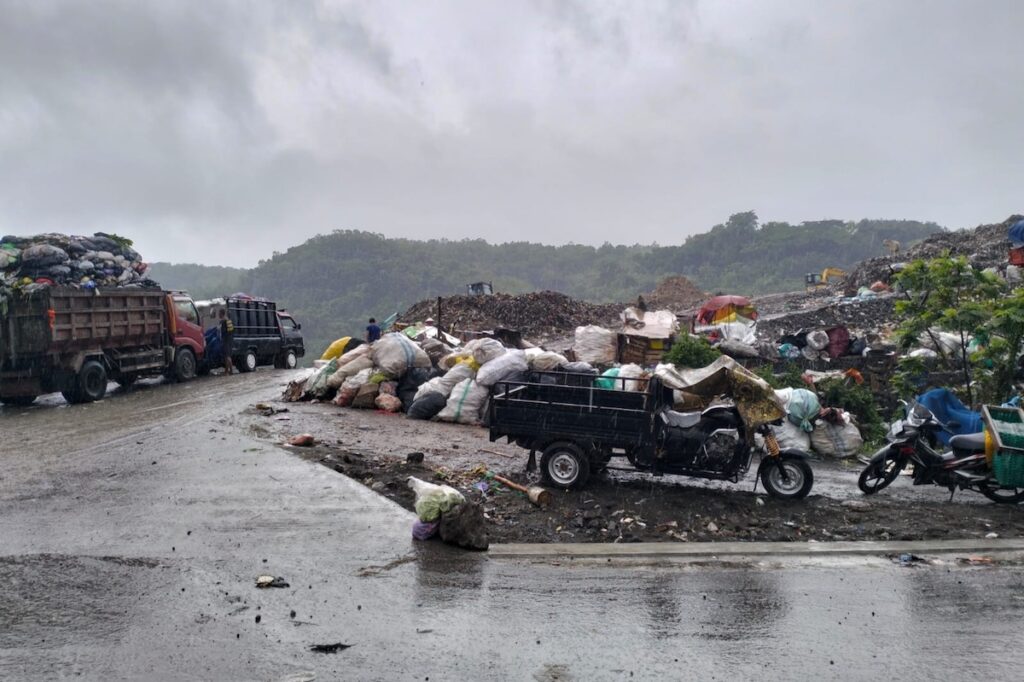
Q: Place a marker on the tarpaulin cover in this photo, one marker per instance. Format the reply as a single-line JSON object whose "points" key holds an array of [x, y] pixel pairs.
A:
{"points": [[947, 408], [754, 398], [1017, 232], [726, 309]]}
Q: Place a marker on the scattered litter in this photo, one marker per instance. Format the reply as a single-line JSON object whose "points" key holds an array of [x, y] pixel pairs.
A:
{"points": [[329, 648], [303, 440], [265, 581], [368, 571]]}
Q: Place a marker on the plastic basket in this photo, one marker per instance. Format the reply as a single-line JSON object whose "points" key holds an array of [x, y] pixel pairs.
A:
{"points": [[1006, 424], [1008, 468]]}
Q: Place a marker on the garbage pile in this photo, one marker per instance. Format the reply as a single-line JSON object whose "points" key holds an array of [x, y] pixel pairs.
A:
{"points": [[427, 379], [675, 293], [443, 511], [537, 315], [985, 246], [102, 260]]}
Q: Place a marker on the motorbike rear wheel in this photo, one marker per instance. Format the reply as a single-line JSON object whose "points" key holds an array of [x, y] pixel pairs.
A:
{"points": [[787, 478], [879, 475], [1002, 495]]}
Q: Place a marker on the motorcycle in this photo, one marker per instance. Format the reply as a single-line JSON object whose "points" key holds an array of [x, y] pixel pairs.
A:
{"points": [[913, 441]]}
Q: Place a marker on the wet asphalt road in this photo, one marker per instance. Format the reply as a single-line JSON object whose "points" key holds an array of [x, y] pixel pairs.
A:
{"points": [[131, 532]]}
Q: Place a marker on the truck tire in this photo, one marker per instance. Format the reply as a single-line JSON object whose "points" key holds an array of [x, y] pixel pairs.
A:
{"points": [[184, 364], [89, 385], [287, 360], [19, 400], [564, 465], [247, 362]]}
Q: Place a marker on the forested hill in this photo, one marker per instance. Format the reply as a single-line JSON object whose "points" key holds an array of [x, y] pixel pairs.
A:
{"points": [[334, 282]]}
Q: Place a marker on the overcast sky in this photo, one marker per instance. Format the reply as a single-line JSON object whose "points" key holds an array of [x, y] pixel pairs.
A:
{"points": [[219, 132]]}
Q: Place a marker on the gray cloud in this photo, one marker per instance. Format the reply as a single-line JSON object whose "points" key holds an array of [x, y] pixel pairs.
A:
{"points": [[220, 131]]}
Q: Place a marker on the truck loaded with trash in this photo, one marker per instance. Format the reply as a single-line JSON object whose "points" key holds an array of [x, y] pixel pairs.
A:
{"points": [[76, 312]]}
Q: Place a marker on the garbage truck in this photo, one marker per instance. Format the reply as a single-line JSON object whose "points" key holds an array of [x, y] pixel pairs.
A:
{"points": [[75, 340]]}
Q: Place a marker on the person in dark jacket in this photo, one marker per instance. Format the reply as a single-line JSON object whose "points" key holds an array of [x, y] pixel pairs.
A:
{"points": [[227, 340], [372, 331]]}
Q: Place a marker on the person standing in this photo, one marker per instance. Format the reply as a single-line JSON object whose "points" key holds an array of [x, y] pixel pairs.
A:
{"points": [[227, 340], [372, 331]]}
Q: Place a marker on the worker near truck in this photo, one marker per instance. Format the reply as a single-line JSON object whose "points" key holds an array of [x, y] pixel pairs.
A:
{"points": [[227, 339]]}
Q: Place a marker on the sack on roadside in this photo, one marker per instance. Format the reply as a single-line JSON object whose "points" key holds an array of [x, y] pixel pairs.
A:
{"points": [[427, 406], [316, 387], [395, 354], [388, 402], [488, 350], [444, 384], [366, 396], [493, 371], [432, 500], [837, 440], [347, 370], [465, 403]]}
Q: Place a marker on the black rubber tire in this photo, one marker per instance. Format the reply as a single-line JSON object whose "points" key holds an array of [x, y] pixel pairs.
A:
{"points": [[247, 362], [799, 474], [564, 465], [185, 364], [91, 382], [871, 480], [19, 400], [1002, 495], [288, 360]]}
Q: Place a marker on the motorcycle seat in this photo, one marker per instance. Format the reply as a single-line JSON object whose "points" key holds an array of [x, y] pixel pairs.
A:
{"points": [[681, 420], [969, 442]]}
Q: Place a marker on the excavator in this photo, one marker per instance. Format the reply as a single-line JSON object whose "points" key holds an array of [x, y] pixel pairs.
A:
{"points": [[813, 281]]}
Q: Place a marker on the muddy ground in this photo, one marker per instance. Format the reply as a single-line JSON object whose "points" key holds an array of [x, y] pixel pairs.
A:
{"points": [[619, 506]]}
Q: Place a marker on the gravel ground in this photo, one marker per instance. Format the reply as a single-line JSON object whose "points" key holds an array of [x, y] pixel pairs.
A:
{"points": [[622, 506]]}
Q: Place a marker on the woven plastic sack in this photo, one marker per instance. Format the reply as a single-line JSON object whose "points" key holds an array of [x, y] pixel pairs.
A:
{"points": [[633, 373], [487, 350], [465, 403], [345, 396], [336, 349], [432, 500], [544, 360], [395, 354], [833, 440], [349, 370], [445, 384], [595, 345], [366, 396], [493, 371]]}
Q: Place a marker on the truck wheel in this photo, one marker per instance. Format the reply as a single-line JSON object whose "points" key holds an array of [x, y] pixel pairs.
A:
{"points": [[19, 400], [287, 360], [248, 363], [564, 465], [184, 364], [91, 383]]}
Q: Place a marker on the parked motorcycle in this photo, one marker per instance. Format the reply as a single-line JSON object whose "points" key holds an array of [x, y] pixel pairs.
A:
{"points": [[914, 439]]}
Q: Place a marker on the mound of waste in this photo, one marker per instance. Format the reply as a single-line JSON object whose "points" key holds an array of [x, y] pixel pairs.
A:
{"points": [[985, 246], [102, 260], [675, 293], [535, 314]]}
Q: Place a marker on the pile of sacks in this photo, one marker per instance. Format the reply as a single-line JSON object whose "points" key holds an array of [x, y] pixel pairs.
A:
{"points": [[828, 432], [428, 380], [31, 263]]}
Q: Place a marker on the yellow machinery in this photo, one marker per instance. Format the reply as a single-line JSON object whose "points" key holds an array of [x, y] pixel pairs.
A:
{"points": [[813, 281]]}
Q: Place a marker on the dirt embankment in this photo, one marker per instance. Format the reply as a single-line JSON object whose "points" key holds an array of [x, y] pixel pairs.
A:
{"points": [[618, 506]]}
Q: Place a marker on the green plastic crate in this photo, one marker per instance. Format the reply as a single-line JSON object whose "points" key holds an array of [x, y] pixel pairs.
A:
{"points": [[1006, 424]]}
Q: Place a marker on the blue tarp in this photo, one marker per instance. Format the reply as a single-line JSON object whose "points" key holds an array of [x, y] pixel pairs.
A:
{"points": [[947, 408], [1017, 232], [213, 355]]}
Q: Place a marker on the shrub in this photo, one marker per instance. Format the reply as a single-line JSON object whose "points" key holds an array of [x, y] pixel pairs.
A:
{"points": [[691, 351]]}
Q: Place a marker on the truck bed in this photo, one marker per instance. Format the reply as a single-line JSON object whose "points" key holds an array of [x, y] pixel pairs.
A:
{"points": [[563, 406], [63, 320]]}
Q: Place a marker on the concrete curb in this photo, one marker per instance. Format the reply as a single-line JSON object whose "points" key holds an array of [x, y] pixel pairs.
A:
{"points": [[696, 550]]}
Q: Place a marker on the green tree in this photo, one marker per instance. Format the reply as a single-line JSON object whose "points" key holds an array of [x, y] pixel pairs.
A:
{"points": [[948, 294]]}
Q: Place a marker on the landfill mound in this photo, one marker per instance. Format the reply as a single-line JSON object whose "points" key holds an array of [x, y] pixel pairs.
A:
{"points": [[675, 293], [30, 263], [985, 246], [535, 315]]}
